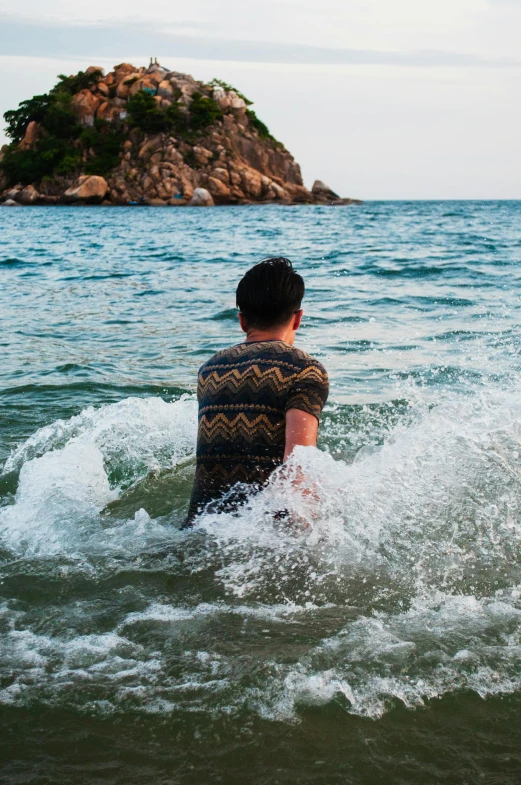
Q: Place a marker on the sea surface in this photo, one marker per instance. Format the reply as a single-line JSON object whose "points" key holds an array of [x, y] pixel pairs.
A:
{"points": [[377, 638]]}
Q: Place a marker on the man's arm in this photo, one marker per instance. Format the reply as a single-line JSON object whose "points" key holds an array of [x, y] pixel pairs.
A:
{"points": [[301, 428]]}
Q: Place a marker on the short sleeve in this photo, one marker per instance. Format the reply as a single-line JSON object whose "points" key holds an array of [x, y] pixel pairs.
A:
{"points": [[310, 390], [200, 384]]}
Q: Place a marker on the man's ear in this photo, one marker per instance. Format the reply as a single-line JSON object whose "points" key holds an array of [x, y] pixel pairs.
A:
{"points": [[297, 319], [242, 322]]}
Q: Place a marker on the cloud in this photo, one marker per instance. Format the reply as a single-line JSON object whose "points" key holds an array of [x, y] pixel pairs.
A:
{"points": [[23, 37]]}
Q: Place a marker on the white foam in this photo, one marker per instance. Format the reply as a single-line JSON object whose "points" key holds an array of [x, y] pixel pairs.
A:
{"points": [[65, 467], [135, 435], [420, 527], [46, 667], [437, 504], [58, 495], [169, 614], [441, 644]]}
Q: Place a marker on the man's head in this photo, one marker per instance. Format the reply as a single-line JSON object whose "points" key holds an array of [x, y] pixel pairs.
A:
{"points": [[270, 295]]}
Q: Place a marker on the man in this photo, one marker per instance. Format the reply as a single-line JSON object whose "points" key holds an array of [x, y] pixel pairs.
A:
{"points": [[260, 399]]}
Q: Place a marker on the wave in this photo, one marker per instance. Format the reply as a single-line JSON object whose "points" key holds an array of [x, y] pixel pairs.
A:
{"points": [[396, 580], [70, 470], [442, 644]]}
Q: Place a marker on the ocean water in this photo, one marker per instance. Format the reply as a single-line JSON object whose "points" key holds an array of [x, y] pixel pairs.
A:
{"points": [[378, 638]]}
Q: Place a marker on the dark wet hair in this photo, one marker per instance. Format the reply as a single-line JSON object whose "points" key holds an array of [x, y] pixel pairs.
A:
{"points": [[270, 293]]}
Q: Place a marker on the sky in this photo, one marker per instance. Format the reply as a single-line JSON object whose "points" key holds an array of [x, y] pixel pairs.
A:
{"points": [[381, 99]]}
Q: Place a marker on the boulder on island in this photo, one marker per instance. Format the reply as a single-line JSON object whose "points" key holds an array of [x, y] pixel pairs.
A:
{"points": [[28, 195], [201, 198], [13, 193], [323, 192], [89, 188], [9, 203], [32, 133]]}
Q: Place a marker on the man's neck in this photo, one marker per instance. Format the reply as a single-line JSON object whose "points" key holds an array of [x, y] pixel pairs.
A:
{"points": [[286, 334]]}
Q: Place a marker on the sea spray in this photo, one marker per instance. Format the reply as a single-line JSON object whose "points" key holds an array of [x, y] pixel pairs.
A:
{"points": [[135, 435], [403, 565], [438, 504], [70, 470]]}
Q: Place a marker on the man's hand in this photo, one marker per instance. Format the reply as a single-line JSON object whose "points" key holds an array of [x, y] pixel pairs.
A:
{"points": [[301, 429]]}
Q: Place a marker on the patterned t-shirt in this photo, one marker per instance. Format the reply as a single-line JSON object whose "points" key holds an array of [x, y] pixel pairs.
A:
{"points": [[244, 393]]}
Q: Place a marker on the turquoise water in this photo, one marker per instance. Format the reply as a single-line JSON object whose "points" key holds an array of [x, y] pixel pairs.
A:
{"points": [[382, 641]]}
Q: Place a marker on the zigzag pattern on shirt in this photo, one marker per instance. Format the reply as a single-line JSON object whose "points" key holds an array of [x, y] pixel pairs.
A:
{"points": [[312, 368], [259, 430], [255, 380], [251, 378], [238, 457], [265, 361], [235, 407]]}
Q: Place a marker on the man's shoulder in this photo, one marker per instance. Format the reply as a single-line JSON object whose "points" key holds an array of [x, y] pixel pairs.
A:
{"points": [[225, 356], [273, 352], [305, 360]]}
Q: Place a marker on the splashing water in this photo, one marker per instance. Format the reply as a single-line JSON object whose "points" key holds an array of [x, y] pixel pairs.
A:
{"points": [[411, 551], [70, 470]]}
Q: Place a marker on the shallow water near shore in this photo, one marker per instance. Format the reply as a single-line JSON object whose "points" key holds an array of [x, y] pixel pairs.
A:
{"points": [[379, 642]]}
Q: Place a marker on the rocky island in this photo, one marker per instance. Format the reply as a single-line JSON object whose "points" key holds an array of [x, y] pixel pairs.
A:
{"points": [[146, 136]]}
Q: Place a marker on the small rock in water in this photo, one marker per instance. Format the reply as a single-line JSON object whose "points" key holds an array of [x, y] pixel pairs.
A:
{"points": [[322, 191], [324, 195], [201, 198], [10, 203]]}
